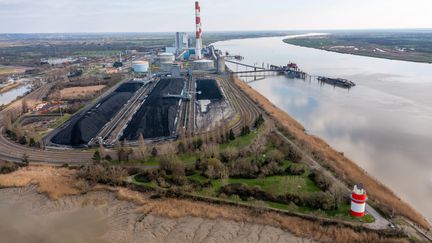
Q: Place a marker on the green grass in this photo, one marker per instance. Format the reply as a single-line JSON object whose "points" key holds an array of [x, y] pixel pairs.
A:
{"points": [[59, 121], [240, 142]]}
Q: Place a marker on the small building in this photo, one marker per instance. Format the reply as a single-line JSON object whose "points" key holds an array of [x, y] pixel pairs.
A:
{"points": [[203, 65], [111, 70]]}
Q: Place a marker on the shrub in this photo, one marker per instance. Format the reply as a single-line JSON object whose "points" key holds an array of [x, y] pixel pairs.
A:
{"points": [[243, 168], [229, 154], [172, 165], [8, 167], [111, 175], [271, 168], [321, 180], [296, 171], [213, 168], [276, 156]]}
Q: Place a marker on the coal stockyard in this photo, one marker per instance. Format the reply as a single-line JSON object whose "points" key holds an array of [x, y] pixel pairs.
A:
{"points": [[208, 89], [156, 117], [85, 125]]}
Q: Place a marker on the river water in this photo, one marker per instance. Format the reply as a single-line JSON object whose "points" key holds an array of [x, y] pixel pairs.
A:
{"points": [[11, 95], [384, 123]]}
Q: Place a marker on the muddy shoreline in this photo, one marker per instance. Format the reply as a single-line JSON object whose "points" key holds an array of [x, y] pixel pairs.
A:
{"points": [[99, 216]]}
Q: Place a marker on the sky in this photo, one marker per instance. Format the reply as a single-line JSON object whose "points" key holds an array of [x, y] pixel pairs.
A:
{"points": [[51, 16]]}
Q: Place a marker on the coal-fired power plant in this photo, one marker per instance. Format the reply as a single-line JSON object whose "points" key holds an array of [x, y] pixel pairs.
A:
{"points": [[199, 44], [358, 201]]}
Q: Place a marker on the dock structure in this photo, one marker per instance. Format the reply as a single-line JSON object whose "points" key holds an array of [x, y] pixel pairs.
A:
{"points": [[291, 71]]}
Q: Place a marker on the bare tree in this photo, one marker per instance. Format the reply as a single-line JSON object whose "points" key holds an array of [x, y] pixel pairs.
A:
{"points": [[24, 106], [7, 122], [142, 147]]}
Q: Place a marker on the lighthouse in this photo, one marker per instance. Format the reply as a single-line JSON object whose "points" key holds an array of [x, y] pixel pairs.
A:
{"points": [[358, 201]]}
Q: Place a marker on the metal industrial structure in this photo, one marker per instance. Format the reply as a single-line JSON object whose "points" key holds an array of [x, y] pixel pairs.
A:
{"points": [[358, 201], [198, 36], [181, 41]]}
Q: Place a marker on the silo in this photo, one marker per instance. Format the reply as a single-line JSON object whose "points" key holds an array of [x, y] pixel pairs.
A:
{"points": [[140, 66]]}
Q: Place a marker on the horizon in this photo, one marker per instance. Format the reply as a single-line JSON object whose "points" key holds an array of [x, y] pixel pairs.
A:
{"points": [[133, 16]]}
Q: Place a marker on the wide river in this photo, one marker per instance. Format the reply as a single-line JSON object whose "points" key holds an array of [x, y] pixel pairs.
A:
{"points": [[384, 123]]}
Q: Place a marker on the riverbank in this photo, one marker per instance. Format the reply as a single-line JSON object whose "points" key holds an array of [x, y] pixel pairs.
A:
{"points": [[343, 167], [128, 215], [361, 47], [10, 87]]}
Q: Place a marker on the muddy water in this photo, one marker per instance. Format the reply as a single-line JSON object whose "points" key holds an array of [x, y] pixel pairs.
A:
{"points": [[26, 216], [384, 123]]}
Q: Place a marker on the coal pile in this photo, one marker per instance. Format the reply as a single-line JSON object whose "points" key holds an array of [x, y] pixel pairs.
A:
{"points": [[209, 90], [156, 117], [85, 126]]}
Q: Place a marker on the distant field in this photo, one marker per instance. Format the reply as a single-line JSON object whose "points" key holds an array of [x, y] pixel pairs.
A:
{"points": [[4, 70], [80, 92], [407, 46]]}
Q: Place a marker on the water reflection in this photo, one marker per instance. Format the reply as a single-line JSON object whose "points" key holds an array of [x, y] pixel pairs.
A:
{"points": [[384, 123]]}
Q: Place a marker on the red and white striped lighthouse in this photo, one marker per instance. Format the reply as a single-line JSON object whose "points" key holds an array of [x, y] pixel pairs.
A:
{"points": [[198, 31], [358, 201]]}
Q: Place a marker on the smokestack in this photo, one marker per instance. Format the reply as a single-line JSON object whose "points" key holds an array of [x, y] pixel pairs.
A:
{"points": [[198, 31]]}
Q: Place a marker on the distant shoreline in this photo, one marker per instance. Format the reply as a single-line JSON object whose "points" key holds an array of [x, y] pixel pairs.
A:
{"points": [[302, 42]]}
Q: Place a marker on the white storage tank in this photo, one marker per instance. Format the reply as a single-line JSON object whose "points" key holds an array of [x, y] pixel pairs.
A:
{"points": [[165, 57], [205, 65], [140, 66]]}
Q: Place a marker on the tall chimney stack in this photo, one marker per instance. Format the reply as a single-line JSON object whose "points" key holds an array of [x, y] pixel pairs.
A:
{"points": [[199, 45]]}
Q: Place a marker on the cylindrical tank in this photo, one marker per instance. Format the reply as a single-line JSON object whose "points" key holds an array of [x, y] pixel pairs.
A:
{"points": [[204, 65], [165, 57], [140, 66], [358, 201]]}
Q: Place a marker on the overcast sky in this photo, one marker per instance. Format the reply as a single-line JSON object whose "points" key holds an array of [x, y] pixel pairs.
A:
{"points": [[22, 16]]}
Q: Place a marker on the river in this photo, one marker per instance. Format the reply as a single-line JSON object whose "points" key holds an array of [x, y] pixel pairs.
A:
{"points": [[11, 95], [384, 123]]}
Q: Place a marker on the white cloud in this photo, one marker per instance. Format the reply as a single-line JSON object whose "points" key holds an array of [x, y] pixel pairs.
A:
{"points": [[170, 15]]}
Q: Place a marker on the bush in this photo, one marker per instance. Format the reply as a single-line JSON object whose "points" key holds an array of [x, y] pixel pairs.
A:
{"points": [[276, 156], [295, 171], [271, 168], [8, 167], [321, 180], [229, 154], [99, 173], [243, 168], [172, 165], [213, 168]]}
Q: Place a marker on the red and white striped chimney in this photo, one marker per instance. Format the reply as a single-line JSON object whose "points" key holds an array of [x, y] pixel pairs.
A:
{"points": [[198, 31]]}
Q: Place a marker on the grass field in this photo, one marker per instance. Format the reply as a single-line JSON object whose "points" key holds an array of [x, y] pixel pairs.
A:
{"points": [[408, 47]]}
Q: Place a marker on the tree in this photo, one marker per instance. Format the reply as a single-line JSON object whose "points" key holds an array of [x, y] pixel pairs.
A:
{"points": [[25, 159], [142, 146], [154, 152], [22, 140], [229, 154], [24, 106], [108, 158], [276, 156], [214, 169], [259, 121], [172, 165], [96, 157], [32, 142], [7, 122], [231, 135]]}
